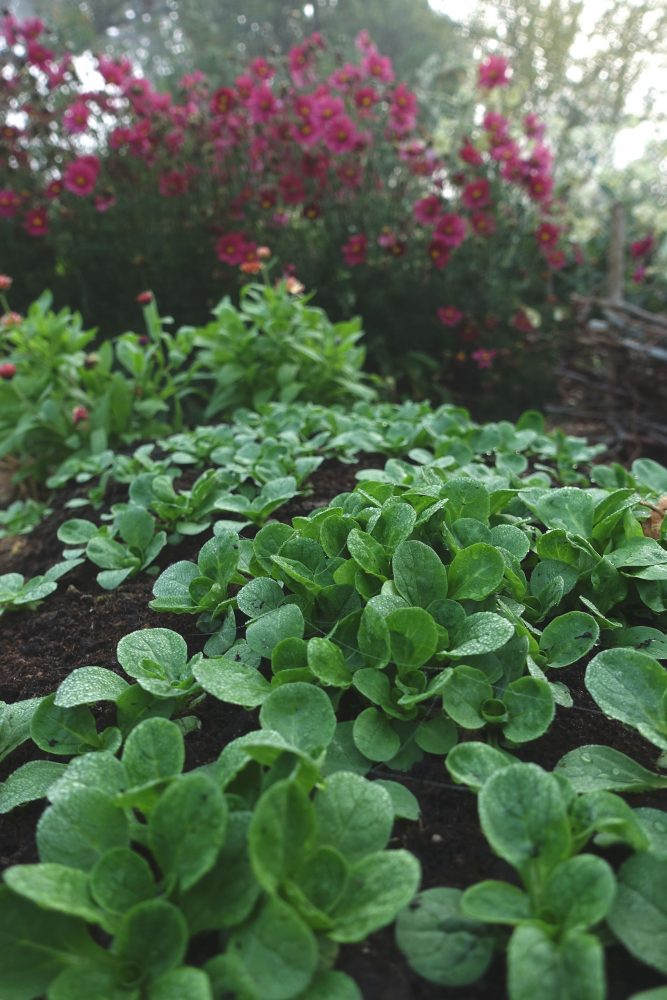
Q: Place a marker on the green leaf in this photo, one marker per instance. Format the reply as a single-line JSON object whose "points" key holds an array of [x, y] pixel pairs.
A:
{"points": [[84, 981], [374, 736], [512, 539], [332, 985], [475, 572], [419, 574], [650, 474], [437, 735], [281, 623], [472, 763], [482, 632], [63, 731], [440, 942], [278, 951], [373, 637], [353, 815], [158, 659], [327, 663], [29, 782], [496, 902], [78, 829], [136, 527], [466, 498], [464, 692], [259, 596], [151, 939], [187, 828], [368, 554], [653, 823], [639, 914], [86, 685], [229, 892], [631, 687], [282, 826], [540, 966], [154, 751], [76, 532], [378, 888], [185, 983], [101, 772], [531, 709], [597, 768], [302, 714], [523, 817], [55, 887], [404, 803], [568, 638], [15, 722], [578, 893], [569, 509], [234, 682], [171, 590], [120, 880], [218, 558], [413, 637], [35, 945]]}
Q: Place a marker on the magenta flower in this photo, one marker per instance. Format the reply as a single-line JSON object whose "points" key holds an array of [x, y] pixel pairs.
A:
{"points": [[642, 248], [350, 174], [300, 62], [354, 250], [556, 259], [262, 69], [172, 183], [36, 222], [439, 252], [639, 274], [114, 71], [10, 203], [483, 356], [103, 202], [232, 248], [345, 77], [292, 189], [449, 315], [483, 223], [244, 87], [80, 175], [494, 71], [547, 235], [222, 101], [451, 229], [366, 98], [263, 104], [521, 321], [7, 370], [306, 132], [540, 187], [79, 414], [340, 135], [497, 126], [75, 119], [427, 210], [328, 108], [476, 194], [377, 66], [533, 127], [470, 154]]}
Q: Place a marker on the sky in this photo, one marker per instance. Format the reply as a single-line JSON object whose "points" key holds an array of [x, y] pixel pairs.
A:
{"points": [[630, 143]]}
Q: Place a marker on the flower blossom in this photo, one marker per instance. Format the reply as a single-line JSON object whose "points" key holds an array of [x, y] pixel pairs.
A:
{"points": [[483, 356], [354, 250], [494, 71], [80, 176], [449, 315]]}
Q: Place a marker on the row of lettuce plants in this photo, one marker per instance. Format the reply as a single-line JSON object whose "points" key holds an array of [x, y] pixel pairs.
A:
{"points": [[438, 600]]}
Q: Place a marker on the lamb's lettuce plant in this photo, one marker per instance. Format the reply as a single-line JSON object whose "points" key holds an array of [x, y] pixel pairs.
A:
{"points": [[17, 593], [539, 826], [131, 544]]}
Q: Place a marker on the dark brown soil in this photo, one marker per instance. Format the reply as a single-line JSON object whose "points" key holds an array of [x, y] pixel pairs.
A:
{"points": [[81, 625]]}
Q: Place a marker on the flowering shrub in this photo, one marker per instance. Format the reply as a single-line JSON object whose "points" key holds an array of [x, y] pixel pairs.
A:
{"points": [[327, 163]]}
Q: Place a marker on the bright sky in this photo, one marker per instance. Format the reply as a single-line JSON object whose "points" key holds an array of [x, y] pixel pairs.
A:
{"points": [[630, 143]]}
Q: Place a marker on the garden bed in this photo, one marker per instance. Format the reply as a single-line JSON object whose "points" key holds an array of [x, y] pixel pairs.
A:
{"points": [[82, 624]]}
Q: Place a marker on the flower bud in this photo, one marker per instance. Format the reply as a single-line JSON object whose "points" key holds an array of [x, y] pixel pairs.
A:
{"points": [[7, 370], [79, 413], [5, 282], [144, 298]]}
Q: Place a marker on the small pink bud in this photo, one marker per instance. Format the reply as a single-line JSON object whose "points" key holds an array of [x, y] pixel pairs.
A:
{"points": [[7, 370], [144, 298], [79, 413], [5, 282]]}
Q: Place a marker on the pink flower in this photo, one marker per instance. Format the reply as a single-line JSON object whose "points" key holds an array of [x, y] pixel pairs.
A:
{"points": [[54, 189], [7, 370], [540, 187], [494, 71], [449, 315], [470, 154], [144, 298], [311, 212], [639, 274], [114, 71], [438, 251], [451, 229], [267, 198], [363, 41], [403, 107], [354, 251], [292, 189], [533, 127], [79, 414], [547, 235], [263, 104], [427, 210], [350, 174], [496, 125], [556, 260], [5, 282], [476, 194], [38, 54], [327, 109], [300, 63], [10, 203], [340, 135], [483, 357], [483, 224], [172, 183], [377, 66], [345, 77], [244, 87], [232, 248], [306, 132], [262, 69], [75, 119], [366, 98], [521, 321], [103, 202], [36, 222], [222, 101], [643, 247], [80, 175], [389, 241]]}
